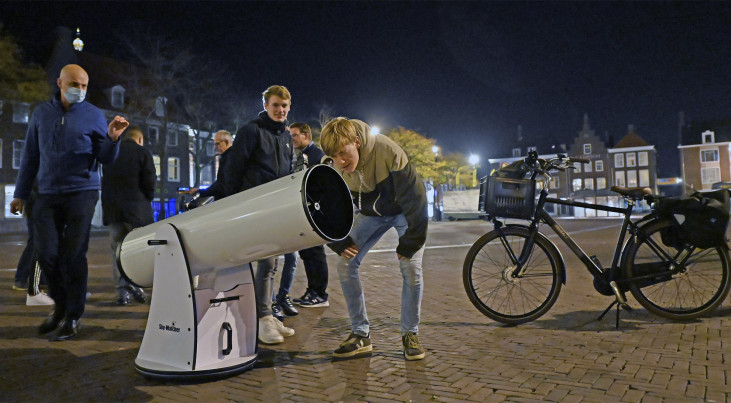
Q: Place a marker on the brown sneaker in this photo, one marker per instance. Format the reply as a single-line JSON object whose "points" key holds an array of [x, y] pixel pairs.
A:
{"points": [[412, 348], [354, 345]]}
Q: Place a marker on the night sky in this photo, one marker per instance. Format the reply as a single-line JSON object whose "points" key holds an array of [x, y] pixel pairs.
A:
{"points": [[466, 74]]}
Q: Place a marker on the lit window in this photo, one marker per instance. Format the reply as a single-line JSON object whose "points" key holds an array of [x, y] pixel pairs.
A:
{"points": [[18, 146], [577, 166], [576, 184], [710, 175], [644, 177], [619, 161], [599, 166], [532, 149], [554, 183], [601, 183], [642, 159], [21, 110], [631, 159], [619, 178], [516, 152], [174, 169], [632, 178], [156, 160], [588, 166], [587, 148], [709, 155], [589, 183]]}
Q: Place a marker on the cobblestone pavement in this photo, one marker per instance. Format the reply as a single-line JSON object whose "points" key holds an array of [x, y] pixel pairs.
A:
{"points": [[564, 356]]}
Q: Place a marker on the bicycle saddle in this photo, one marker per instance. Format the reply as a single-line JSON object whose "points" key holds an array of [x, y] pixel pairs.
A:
{"points": [[633, 193]]}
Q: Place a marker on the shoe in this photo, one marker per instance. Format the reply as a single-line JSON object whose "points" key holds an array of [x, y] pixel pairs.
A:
{"points": [[284, 330], [20, 286], [269, 330], [51, 323], [355, 344], [412, 348], [123, 298], [39, 299], [68, 330], [277, 312], [306, 295], [138, 294], [313, 300], [287, 306]]}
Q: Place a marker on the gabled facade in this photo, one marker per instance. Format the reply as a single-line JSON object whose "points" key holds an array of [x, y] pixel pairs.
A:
{"points": [[707, 162]]}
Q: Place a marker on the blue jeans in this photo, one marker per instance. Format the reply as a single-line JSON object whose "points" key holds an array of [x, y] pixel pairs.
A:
{"points": [[365, 233], [288, 269]]}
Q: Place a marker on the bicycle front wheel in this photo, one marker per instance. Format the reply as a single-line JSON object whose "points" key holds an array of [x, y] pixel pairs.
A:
{"points": [[487, 276], [695, 290]]}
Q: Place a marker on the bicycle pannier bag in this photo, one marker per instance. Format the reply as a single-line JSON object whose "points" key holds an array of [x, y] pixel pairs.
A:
{"points": [[701, 218]]}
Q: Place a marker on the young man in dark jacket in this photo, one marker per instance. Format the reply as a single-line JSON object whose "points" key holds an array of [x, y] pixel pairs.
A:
{"points": [[67, 138], [388, 194], [128, 187], [261, 153]]}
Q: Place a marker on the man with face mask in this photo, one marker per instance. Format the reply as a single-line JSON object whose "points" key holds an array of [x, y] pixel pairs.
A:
{"points": [[261, 153], [66, 140]]}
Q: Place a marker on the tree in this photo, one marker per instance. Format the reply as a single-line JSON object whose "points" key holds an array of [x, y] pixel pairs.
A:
{"points": [[18, 82], [419, 150]]}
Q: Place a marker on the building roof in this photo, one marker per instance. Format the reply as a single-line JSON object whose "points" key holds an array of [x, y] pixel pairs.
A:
{"points": [[631, 139]]}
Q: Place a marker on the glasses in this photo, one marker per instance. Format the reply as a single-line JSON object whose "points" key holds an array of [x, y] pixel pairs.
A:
{"points": [[216, 143]]}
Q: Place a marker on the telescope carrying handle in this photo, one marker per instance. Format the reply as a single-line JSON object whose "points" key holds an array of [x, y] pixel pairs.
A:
{"points": [[229, 338], [153, 242]]}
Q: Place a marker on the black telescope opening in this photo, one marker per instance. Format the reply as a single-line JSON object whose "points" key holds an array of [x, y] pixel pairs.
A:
{"points": [[328, 203]]}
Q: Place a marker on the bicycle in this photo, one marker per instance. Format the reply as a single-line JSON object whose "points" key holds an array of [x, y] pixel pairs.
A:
{"points": [[514, 273]]}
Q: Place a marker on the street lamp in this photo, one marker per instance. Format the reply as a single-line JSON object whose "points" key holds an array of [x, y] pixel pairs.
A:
{"points": [[78, 43], [474, 160]]}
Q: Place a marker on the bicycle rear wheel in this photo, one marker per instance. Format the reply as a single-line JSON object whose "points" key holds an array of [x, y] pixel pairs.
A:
{"points": [[492, 290], [697, 290]]}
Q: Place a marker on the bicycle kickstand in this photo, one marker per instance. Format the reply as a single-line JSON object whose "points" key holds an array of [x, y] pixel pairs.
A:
{"points": [[620, 301]]}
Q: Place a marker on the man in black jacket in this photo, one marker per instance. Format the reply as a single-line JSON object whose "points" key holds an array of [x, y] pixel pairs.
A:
{"points": [[261, 153], [222, 140], [128, 186]]}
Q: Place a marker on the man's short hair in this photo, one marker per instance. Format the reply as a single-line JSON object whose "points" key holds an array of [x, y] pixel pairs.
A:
{"points": [[133, 132], [337, 133], [278, 90], [303, 128], [226, 134]]}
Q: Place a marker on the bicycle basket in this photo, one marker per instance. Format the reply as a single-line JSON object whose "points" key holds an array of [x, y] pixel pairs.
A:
{"points": [[507, 197]]}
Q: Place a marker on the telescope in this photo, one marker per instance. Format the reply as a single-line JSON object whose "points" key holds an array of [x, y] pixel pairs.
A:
{"points": [[203, 321]]}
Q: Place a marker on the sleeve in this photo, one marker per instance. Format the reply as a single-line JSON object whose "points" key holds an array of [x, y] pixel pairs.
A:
{"points": [[411, 197], [241, 151], [29, 163], [339, 246], [148, 176], [105, 150]]}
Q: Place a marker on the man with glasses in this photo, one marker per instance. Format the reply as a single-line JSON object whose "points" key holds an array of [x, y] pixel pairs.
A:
{"points": [[222, 140]]}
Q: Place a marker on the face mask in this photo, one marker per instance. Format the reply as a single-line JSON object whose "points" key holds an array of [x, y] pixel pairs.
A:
{"points": [[75, 95]]}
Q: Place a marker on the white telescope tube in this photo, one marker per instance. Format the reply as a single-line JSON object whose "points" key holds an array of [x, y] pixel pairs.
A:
{"points": [[299, 211]]}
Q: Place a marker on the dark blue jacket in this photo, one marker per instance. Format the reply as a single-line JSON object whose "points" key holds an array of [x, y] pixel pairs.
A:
{"points": [[216, 189], [63, 149], [261, 153], [314, 154]]}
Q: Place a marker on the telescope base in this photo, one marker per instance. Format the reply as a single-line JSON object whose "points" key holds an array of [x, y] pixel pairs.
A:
{"points": [[197, 333]]}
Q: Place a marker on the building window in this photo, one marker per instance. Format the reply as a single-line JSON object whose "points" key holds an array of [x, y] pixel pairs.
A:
{"points": [[207, 175], [156, 160], [619, 178], [21, 110], [18, 146], [532, 149], [516, 152], [588, 166], [554, 183], [631, 159], [576, 184], [153, 133], [172, 139], [601, 183], [710, 175], [589, 183], [1, 153], [599, 166], [644, 177], [174, 169], [210, 148], [619, 160], [118, 96], [709, 155], [587, 148], [632, 178], [577, 166], [708, 137], [642, 159]]}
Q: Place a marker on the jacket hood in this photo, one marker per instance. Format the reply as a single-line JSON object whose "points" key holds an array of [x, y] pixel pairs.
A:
{"points": [[366, 142]]}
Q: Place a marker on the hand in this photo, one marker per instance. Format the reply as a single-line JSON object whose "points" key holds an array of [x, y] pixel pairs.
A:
{"points": [[193, 191], [402, 257], [117, 127], [350, 252], [16, 206]]}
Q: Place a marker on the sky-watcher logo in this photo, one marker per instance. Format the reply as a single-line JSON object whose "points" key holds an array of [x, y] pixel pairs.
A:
{"points": [[169, 328]]}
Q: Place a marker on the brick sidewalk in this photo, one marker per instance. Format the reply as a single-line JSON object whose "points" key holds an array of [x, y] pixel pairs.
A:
{"points": [[565, 356]]}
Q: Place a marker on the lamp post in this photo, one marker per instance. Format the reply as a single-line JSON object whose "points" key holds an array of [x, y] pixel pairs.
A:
{"points": [[474, 160]]}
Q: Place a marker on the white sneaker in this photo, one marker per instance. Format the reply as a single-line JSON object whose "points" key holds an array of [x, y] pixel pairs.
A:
{"points": [[284, 330], [269, 331], [39, 299]]}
